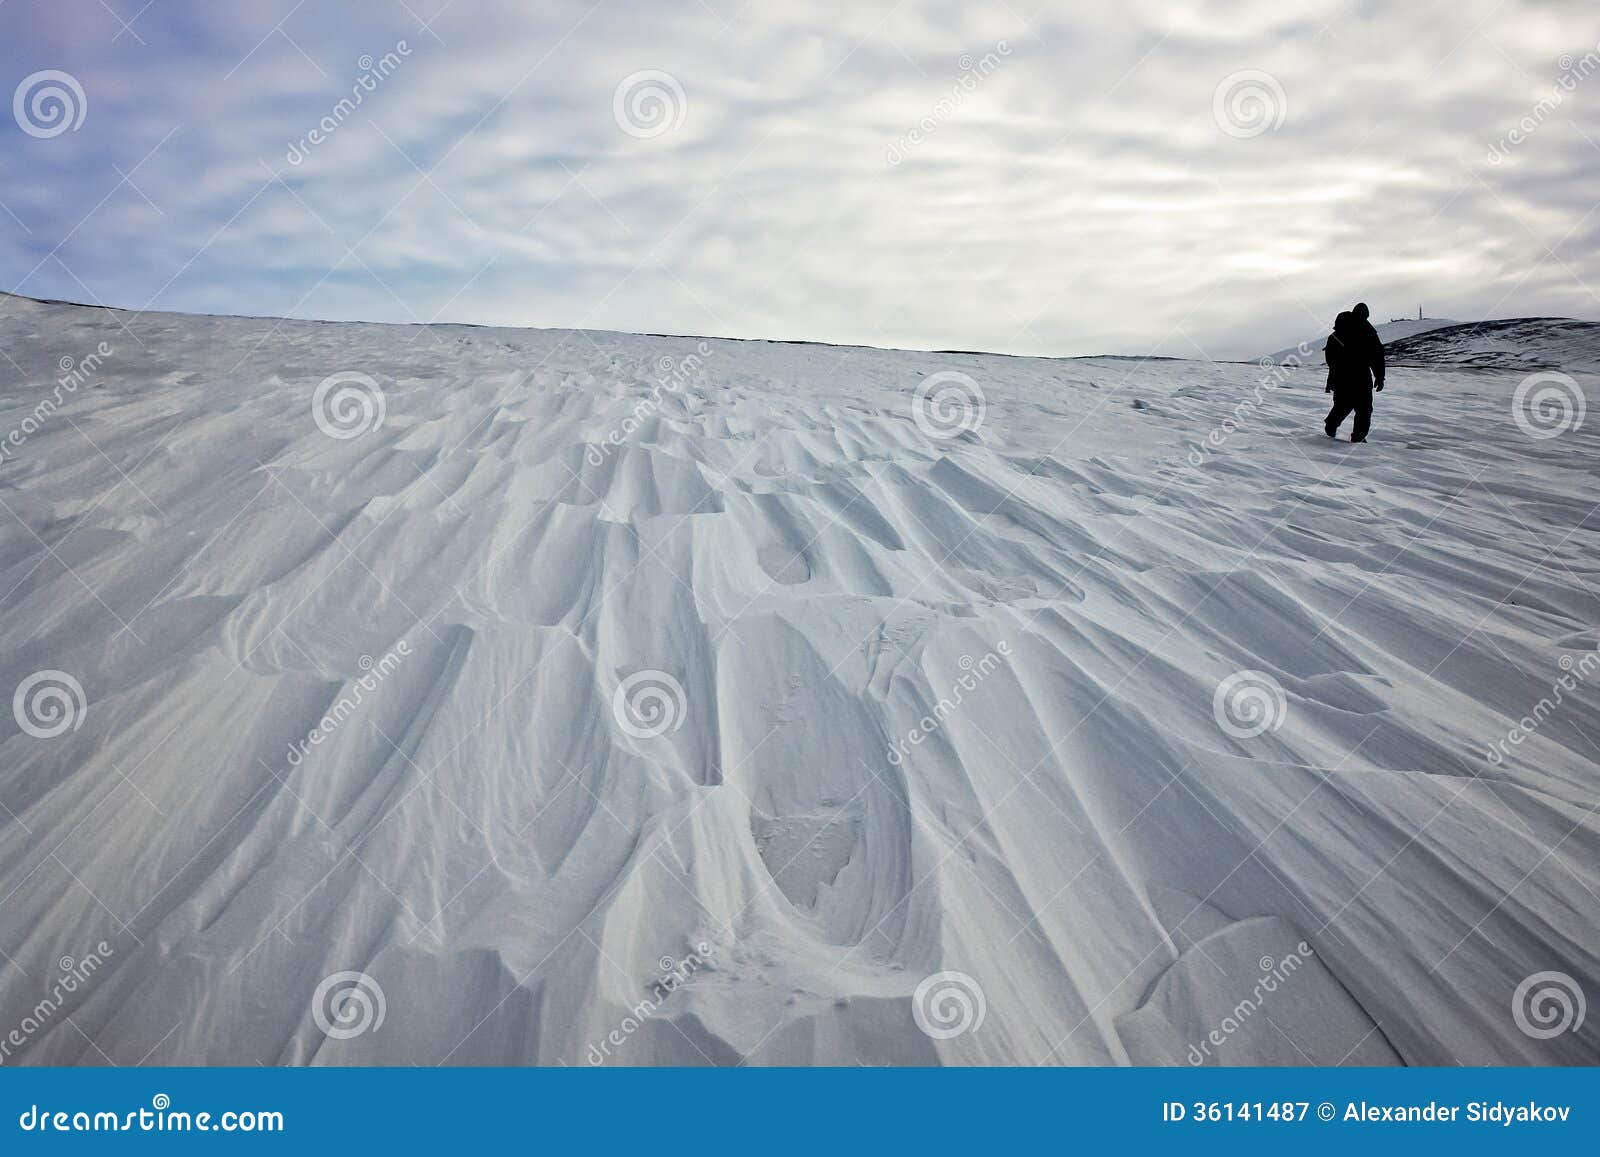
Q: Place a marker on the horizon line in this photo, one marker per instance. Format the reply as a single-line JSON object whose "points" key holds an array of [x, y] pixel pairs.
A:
{"points": [[716, 337]]}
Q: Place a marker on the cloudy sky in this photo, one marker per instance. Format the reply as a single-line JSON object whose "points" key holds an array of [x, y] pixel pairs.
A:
{"points": [[1187, 178]]}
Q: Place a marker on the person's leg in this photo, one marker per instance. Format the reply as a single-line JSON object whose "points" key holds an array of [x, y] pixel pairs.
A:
{"points": [[1341, 411], [1363, 409]]}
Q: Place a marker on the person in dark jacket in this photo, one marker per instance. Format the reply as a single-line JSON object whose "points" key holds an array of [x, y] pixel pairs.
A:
{"points": [[1354, 355]]}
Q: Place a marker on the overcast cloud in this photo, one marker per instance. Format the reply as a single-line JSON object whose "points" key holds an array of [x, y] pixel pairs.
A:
{"points": [[1051, 179]]}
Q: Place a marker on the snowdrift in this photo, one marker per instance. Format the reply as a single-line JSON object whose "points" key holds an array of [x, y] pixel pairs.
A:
{"points": [[444, 695]]}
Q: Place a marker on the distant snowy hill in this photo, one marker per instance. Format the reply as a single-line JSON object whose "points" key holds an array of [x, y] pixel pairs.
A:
{"points": [[1528, 343], [1523, 343], [422, 695], [1387, 332]]}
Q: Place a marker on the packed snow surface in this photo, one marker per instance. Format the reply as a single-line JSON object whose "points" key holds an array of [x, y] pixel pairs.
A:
{"points": [[561, 697]]}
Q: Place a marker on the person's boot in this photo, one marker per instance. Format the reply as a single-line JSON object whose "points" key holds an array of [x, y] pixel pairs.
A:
{"points": [[1363, 423]]}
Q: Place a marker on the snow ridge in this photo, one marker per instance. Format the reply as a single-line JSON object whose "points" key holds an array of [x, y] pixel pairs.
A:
{"points": [[699, 702]]}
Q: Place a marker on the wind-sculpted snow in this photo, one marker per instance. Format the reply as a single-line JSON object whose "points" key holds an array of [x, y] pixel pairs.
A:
{"points": [[551, 697]]}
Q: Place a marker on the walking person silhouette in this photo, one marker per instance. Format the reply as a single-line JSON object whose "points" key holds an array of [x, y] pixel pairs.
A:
{"points": [[1354, 355]]}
